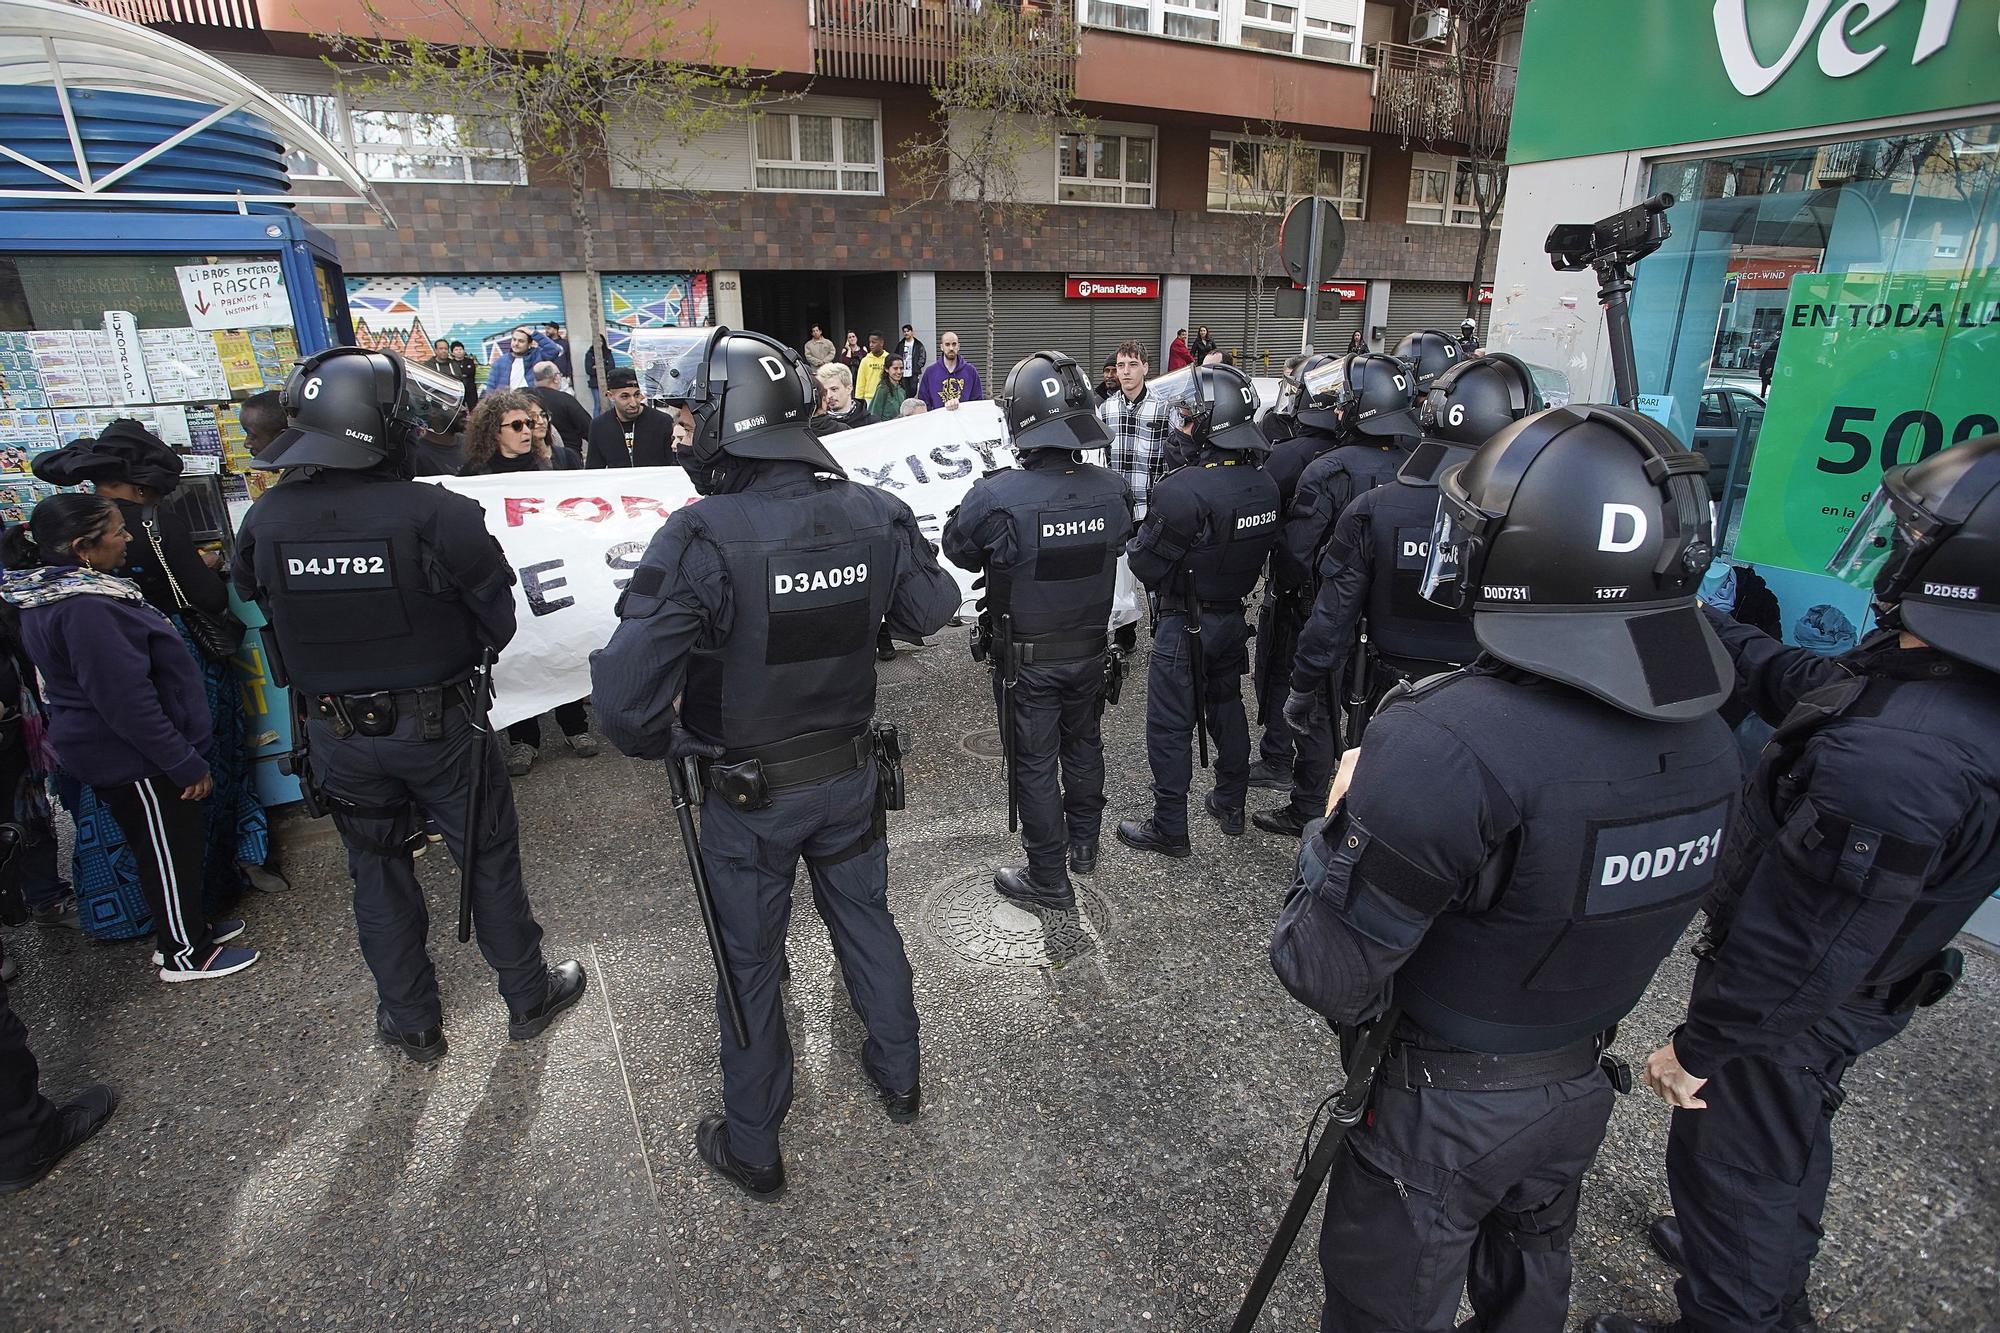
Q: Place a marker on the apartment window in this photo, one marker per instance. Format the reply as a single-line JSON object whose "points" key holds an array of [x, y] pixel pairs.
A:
{"points": [[1464, 199], [409, 145], [1269, 26], [1430, 185], [1252, 176], [1105, 169], [1198, 19], [1325, 29], [1332, 31], [1120, 14], [821, 154]]}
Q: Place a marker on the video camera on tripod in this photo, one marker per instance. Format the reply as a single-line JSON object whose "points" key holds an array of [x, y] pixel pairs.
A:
{"points": [[1611, 246]]}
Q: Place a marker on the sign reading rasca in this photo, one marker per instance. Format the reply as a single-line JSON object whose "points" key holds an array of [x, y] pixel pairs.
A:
{"points": [[234, 296], [1874, 369], [1692, 70]]}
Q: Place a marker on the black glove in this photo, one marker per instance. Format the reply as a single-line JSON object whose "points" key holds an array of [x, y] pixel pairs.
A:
{"points": [[1304, 711], [687, 745]]}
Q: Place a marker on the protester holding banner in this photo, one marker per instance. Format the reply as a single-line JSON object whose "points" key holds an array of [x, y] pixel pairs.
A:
{"points": [[743, 636], [886, 403], [949, 380]]}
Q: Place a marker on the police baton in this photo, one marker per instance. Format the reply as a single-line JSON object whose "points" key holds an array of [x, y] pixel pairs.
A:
{"points": [[1006, 673], [1348, 1105], [475, 803], [681, 777], [1197, 667]]}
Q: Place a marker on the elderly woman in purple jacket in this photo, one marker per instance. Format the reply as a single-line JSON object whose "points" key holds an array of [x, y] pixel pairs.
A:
{"points": [[127, 713]]}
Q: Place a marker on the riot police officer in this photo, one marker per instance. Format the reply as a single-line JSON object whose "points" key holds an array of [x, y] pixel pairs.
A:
{"points": [[1871, 835], [1206, 535], [382, 594], [1297, 438], [1371, 627], [1367, 401], [1047, 536], [1521, 843], [757, 609], [1429, 353]]}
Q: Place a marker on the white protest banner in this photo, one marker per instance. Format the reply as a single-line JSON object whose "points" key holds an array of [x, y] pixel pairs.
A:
{"points": [[573, 538]]}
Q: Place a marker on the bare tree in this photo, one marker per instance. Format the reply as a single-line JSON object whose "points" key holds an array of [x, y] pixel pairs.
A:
{"points": [[1464, 101], [550, 79], [1005, 95], [1271, 167]]}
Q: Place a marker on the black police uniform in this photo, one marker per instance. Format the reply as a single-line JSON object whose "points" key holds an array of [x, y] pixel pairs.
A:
{"points": [[1871, 833], [382, 593], [1048, 535], [763, 605], [1216, 519], [1287, 596], [1483, 860], [1373, 571], [1354, 467]]}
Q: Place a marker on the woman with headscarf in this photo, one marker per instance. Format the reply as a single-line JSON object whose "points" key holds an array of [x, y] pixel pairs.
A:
{"points": [[134, 469], [128, 715]]}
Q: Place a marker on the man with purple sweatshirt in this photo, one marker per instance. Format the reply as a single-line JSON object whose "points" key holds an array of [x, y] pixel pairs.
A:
{"points": [[127, 713], [949, 380]]}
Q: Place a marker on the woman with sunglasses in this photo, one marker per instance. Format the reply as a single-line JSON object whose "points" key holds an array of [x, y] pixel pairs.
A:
{"points": [[127, 713], [510, 433]]}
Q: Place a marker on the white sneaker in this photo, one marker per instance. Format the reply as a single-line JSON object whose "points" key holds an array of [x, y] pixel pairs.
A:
{"points": [[221, 961], [220, 932]]}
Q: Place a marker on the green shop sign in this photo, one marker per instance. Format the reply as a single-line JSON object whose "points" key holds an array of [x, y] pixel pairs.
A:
{"points": [[1605, 76], [1874, 369]]}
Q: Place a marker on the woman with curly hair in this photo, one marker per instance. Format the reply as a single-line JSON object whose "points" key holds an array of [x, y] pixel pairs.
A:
{"points": [[510, 433]]}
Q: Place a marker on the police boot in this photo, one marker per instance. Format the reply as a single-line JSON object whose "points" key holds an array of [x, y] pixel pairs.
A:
{"points": [[75, 1121], [426, 1047], [1271, 777], [1083, 856], [901, 1107], [1145, 835], [566, 983], [1231, 818], [711, 1140], [1618, 1323], [1285, 820], [1664, 1234], [1021, 886]]}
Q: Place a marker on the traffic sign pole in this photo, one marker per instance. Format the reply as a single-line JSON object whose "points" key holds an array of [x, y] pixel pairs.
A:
{"points": [[1312, 273]]}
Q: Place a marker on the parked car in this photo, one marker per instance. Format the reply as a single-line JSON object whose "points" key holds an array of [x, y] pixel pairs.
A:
{"points": [[1723, 412]]}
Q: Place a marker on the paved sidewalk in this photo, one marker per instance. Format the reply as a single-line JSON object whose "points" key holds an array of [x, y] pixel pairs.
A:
{"points": [[1111, 1111]]}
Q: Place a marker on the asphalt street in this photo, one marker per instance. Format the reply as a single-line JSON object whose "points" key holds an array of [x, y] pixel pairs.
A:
{"points": [[1113, 1103]]}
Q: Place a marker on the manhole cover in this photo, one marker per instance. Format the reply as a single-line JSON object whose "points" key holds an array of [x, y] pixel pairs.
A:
{"points": [[971, 919], [903, 669], [985, 744]]}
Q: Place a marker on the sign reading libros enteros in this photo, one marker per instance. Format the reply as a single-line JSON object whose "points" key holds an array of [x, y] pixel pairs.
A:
{"points": [[234, 296]]}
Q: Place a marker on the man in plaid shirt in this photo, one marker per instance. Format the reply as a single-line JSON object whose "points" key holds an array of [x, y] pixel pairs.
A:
{"points": [[1138, 423]]}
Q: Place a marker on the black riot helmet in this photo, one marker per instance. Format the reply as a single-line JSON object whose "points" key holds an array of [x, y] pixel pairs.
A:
{"points": [[1577, 538], [1292, 389], [1361, 391], [1431, 353], [1219, 406], [1049, 405], [1928, 546], [751, 397], [1467, 406], [352, 408]]}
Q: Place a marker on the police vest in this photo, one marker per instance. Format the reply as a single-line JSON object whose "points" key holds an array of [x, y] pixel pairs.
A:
{"points": [[1401, 622], [1068, 528], [1238, 506], [355, 593], [1622, 827], [809, 579]]}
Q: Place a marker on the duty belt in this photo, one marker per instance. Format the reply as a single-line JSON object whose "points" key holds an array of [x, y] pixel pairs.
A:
{"points": [[376, 713], [1069, 646], [1212, 608], [813, 757], [1411, 1066]]}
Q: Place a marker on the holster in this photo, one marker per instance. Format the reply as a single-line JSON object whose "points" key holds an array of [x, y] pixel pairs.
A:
{"points": [[741, 785], [1922, 988], [1114, 675], [888, 744]]}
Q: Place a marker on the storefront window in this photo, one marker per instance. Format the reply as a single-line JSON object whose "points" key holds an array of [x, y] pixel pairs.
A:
{"points": [[1832, 301]]}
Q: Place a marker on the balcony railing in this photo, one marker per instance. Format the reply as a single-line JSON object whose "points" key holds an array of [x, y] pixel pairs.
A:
{"points": [[186, 13], [1436, 97], [915, 41]]}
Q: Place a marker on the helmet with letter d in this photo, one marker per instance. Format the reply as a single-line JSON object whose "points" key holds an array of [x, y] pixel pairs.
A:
{"points": [[354, 408]]}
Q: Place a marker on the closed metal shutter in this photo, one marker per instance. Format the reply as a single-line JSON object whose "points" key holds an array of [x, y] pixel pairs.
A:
{"points": [[1428, 305], [1223, 305], [1031, 314]]}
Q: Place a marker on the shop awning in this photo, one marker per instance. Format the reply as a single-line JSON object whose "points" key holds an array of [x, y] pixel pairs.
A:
{"points": [[67, 48]]}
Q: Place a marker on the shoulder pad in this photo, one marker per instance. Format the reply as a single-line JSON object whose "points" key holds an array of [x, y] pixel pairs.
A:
{"points": [[993, 472], [1417, 689]]}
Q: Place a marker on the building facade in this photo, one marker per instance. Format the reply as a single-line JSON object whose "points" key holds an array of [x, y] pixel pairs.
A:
{"points": [[1156, 212]]}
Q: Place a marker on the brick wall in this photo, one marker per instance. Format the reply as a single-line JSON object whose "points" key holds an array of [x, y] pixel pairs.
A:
{"points": [[467, 229]]}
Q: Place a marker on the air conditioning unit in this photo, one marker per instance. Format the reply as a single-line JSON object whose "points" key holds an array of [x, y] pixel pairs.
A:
{"points": [[1430, 25]]}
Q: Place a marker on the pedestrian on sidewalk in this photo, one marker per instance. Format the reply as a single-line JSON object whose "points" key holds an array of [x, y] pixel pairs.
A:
{"points": [[128, 713]]}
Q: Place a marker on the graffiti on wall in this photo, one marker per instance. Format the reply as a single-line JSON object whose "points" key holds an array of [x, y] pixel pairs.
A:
{"points": [[652, 301], [409, 314]]}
